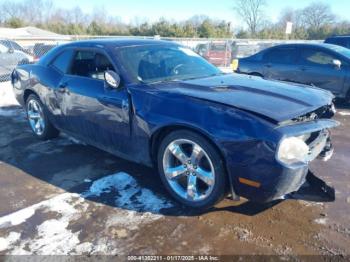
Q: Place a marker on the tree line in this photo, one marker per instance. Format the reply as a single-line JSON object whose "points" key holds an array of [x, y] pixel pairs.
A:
{"points": [[43, 14], [315, 21]]}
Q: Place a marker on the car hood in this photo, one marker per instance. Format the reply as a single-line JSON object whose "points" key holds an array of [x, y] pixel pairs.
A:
{"points": [[279, 101]]}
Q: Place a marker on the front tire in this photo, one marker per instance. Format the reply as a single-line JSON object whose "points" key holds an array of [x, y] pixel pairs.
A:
{"points": [[38, 119], [191, 169]]}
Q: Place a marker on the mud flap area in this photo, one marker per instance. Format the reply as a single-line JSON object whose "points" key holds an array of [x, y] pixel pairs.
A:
{"points": [[314, 189]]}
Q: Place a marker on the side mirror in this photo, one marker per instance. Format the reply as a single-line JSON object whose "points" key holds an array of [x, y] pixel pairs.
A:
{"points": [[337, 63], [112, 79], [10, 50]]}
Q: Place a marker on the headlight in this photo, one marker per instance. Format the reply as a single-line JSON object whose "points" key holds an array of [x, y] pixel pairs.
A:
{"points": [[293, 150]]}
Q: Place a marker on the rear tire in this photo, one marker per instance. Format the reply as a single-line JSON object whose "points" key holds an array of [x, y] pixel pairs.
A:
{"points": [[191, 169], [38, 119]]}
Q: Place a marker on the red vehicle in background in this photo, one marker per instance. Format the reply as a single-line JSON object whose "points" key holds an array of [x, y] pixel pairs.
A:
{"points": [[217, 53]]}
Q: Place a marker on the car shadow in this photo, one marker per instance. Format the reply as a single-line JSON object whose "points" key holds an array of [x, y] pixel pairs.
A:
{"points": [[341, 104], [94, 174]]}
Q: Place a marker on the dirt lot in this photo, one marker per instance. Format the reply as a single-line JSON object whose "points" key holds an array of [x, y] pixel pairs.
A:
{"points": [[63, 197]]}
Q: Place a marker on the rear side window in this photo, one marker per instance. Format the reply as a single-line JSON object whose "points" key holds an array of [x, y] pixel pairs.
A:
{"points": [[62, 62], [88, 63], [281, 55], [316, 57]]}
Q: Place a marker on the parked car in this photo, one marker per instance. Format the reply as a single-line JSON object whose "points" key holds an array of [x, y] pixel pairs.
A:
{"points": [[322, 65], [13, 45], [217, 53], [160, 104], [341, 40], [202, 49], [10, 57], [244, 49], [241, 50]]}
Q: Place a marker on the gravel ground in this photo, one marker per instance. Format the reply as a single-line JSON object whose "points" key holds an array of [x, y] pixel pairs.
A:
{"points": [[64, 197]]}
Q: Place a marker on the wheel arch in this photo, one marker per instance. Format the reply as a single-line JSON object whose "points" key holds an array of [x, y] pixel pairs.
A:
{"points": [[27, 93], [163, 131]]}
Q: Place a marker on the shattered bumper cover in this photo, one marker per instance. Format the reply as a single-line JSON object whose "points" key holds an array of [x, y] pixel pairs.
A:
{"points": [[278, 181]]}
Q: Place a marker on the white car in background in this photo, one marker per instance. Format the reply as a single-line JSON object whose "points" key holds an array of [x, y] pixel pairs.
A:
{"points": [[11, 55]]}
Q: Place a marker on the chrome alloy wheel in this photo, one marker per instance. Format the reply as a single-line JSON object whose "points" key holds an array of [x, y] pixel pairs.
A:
{"points": [[188, 170], [36, 117]]}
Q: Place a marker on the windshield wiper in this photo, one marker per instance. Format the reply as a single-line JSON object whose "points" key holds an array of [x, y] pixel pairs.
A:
{"points": [[166, 80], [200, 77]]}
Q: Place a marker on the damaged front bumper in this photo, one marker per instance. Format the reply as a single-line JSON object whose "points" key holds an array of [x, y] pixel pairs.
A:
{"points": [[275, 180]]}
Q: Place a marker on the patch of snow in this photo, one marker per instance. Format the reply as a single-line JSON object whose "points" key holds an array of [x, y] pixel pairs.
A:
{"points": [[132, 219], [87, 180], [130, 195], [17, 218], [321, 221], [53, 237], [135, 207], [226, 69], [7, 97], [12, 238], [73, 140], [343, 113], [67, 140]]}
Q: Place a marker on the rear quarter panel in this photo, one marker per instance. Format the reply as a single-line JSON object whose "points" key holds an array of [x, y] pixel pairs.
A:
{"points": [[40, 80]]}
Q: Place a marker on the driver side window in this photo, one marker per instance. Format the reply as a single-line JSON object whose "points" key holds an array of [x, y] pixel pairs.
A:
{"points": [[90, 64]]}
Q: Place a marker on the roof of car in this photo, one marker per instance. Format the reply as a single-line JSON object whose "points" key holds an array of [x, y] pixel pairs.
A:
{"points": [[108, 43], [322, 45], [118, 42], [339, 36]]}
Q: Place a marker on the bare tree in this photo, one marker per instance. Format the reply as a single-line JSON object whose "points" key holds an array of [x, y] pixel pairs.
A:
{"points": [[317, 15], [251, 12], [11, 9]]}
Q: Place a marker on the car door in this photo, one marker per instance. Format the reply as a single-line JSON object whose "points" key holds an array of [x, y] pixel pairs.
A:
{"points": [[51, 79], [280, 63], [316, 67], [94, 111]]}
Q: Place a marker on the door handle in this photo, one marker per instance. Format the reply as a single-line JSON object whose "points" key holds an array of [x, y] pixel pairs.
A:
{"points": [[268, 65], [303, 69]]}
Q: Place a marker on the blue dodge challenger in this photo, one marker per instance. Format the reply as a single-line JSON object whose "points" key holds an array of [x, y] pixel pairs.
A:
{"points": [[160, 104]]}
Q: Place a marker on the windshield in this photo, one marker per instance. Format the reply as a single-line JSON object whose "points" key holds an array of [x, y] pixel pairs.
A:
{"points": [[214, 47], [342, 50], [159, 63]]}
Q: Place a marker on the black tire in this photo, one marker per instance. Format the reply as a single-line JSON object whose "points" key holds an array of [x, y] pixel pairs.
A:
{"points": [[49, 131], [220, 186]]}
